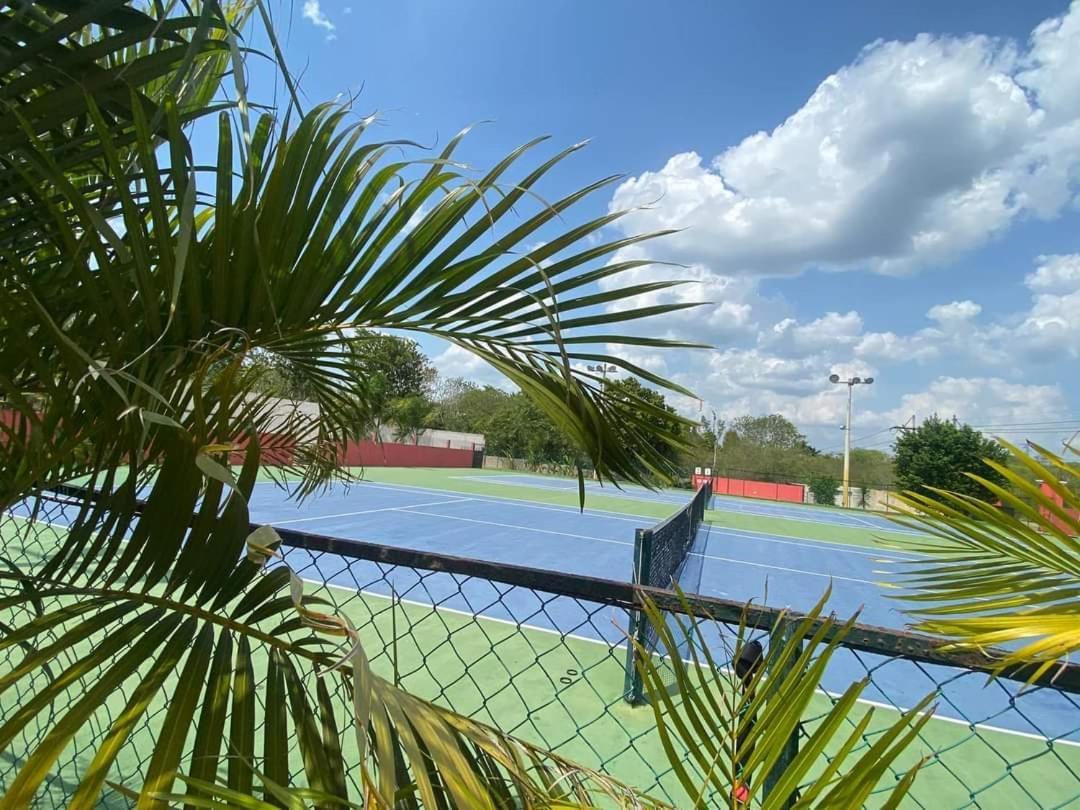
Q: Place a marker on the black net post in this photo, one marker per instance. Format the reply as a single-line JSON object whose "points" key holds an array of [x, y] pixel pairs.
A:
{"points": [[634, 690], [780, 636]]}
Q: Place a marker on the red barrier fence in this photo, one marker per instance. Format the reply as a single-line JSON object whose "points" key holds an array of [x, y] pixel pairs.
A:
{"points": [[367, 453], [389, 454], [792, 493], [1056, 498]]}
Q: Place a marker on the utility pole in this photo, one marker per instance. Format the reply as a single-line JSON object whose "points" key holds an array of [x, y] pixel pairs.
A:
{"points": [[850, 383]]}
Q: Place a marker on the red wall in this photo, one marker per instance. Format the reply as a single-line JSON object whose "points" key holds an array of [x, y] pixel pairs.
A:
{"points": [[388, 454], [1061, 524], [794, 493], [365, 454]]}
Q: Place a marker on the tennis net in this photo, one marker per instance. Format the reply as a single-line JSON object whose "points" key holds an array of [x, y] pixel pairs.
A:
{"points": [[660, 553]]}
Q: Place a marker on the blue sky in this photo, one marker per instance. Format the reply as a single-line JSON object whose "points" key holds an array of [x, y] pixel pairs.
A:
{"points": [[870, 188]]}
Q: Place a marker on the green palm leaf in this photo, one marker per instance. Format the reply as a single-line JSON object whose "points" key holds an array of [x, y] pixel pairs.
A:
{"points": [[727, 734], [994, 577]]}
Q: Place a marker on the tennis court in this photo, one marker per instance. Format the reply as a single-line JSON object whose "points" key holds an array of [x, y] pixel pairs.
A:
{"points": [[723, 503], [546, 636]]}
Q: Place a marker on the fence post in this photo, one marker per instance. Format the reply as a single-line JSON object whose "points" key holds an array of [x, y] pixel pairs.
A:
{"points": [[634, 686], [781, 635]]}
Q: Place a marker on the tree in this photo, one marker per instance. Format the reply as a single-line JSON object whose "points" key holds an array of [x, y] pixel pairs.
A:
{"points": [[824, 489], [660, 419], [517, 428], [410, 416], [470, 410], [773, 431], [399, 362], [448, 389], [941, 453]]}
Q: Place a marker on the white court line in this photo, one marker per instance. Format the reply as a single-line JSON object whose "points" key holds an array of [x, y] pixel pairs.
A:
{"points": [[840, 522], [516, 526], [365, 512], [627, 517], [622, 646], [811, 544], [626, 543], [644, 496]]}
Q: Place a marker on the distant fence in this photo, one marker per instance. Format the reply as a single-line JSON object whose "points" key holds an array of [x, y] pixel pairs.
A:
{"points": [[1057, 499], [279, 450], [766, 490], [391, 454]]}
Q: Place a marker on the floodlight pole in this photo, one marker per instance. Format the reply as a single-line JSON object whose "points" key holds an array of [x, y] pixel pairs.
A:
{"points": [[850, 383], [603, 368], [847, 449]]}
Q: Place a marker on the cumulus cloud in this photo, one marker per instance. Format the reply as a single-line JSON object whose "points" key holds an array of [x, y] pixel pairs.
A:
{"points": [[831, 330], [955, 312], [912, 154], [732, 303], [1056, 274], [983, 401]]}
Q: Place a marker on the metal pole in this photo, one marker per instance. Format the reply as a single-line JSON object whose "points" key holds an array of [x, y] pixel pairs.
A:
{"points": [[847, 449], [715, 442]]}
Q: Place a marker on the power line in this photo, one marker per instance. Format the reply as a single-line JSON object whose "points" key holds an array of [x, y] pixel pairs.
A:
{"points": [[1069, 422]]}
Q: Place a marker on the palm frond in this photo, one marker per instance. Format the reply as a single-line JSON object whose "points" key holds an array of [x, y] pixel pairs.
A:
{"points": [[260, 681], [727, 730], [1001, 576]]}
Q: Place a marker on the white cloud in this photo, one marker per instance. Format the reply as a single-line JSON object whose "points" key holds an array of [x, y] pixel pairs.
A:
{"points": [[455, 361], [313, 13], [983, 401], [1052, 326], [912, 154], [1056, 273], [955, 312], [831, 330], [892, 347], [731, 306]]}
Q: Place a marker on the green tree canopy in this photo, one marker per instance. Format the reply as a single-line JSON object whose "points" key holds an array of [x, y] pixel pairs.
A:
{"points": [[469, 410], [409, 416], [404, 369], [517, 428], [940, 452], [769, 431], [654, 410]]}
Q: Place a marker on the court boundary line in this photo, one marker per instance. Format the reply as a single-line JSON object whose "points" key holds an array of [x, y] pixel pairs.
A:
{"points": [[366, 512], [618, 646], [700, 554], [765, 504], [629, 517]]}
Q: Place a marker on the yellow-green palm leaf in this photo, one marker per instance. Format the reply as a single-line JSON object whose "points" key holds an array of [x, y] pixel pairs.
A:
{"points": [[997, 576]]}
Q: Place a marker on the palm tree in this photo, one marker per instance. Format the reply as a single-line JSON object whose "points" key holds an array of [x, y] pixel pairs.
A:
{"points": [[137, 284]]}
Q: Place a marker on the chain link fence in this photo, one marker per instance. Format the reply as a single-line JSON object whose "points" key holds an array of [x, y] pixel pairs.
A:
{"points": [[542, 655]]}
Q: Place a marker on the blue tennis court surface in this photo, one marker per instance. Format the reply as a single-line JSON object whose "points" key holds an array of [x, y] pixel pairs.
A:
{"points": [[768, 569], [807, 513], [774, 569]]}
